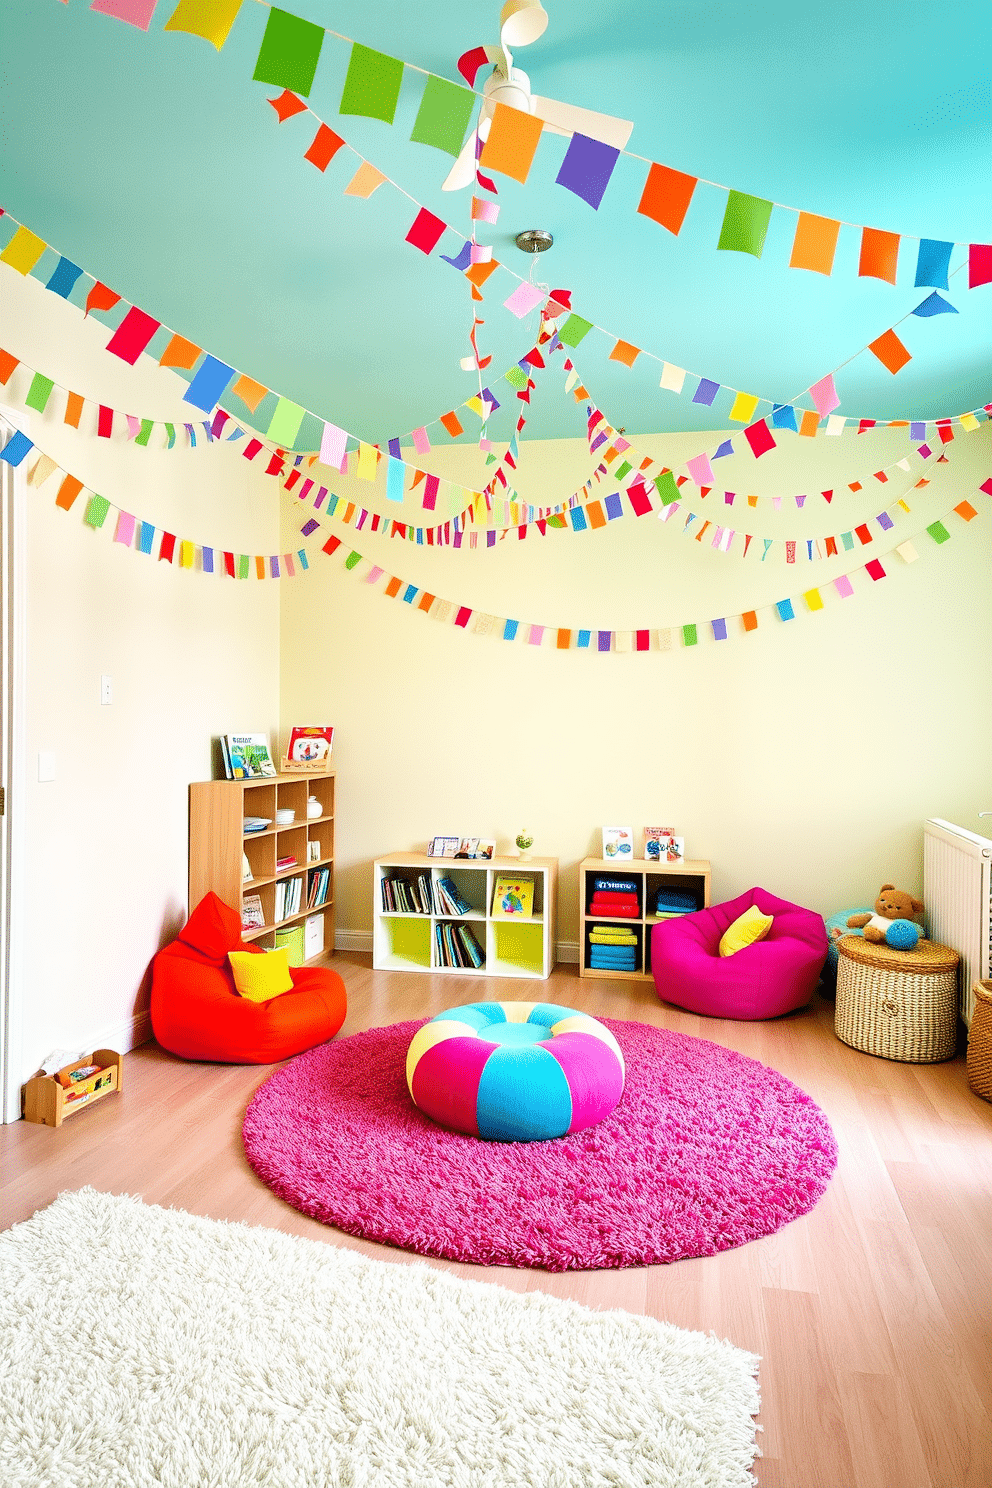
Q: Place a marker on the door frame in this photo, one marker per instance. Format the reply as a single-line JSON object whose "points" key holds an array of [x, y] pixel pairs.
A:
{"points": [[13, 672]]}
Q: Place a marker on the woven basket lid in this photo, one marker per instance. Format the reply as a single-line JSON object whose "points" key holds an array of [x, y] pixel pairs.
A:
{"points": [[927, 957]]}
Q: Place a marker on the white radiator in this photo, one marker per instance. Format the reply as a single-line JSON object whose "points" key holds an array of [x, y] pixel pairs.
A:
{"points": [[957, 890]]}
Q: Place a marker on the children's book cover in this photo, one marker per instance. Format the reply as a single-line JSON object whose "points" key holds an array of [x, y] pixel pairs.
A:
{"points": [[249, 756], [618, 843], [513, 896], [310, 743], [656, 840]]}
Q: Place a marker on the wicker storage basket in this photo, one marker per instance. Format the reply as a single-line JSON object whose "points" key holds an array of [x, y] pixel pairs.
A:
{"points": [[897, 1004], [980, 1042]]}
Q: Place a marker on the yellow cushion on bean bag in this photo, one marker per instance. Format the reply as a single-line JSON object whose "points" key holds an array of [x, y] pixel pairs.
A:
{"points": [[748, 928], [260, 978]]}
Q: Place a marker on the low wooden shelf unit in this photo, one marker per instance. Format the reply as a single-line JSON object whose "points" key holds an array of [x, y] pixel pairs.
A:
{"points": [[511, 945], [692, 875]]}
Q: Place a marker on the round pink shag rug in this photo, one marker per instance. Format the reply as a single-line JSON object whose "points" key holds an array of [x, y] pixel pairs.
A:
{"points": [[707, 1149]]}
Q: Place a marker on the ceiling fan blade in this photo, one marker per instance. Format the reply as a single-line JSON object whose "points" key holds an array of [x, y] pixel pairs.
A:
{"points": [[568, 118], [462, 173]]}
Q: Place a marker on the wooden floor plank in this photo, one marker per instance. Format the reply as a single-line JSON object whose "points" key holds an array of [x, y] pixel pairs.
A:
{"points": [[871, 1314]]}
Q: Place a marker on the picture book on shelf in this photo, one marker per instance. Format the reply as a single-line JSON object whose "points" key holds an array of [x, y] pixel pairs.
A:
{"points": [[674, 851], [249, 756], [309, 743], [618, 843], [252, 916], [513, 896], [656, 839]]}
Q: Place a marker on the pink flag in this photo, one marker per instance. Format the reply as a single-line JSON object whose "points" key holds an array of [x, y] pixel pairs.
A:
{"points": [[700, 469], [824, 395], [844, 586], [523, 299], [420, 441], [332, 446], [124, 531], [484, 211], [135, 12]]}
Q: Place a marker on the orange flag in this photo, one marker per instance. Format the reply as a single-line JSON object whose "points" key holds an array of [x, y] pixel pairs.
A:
{"points": [[666, 197], [815, 243], [179, 353], [890, 351], [879, 254], [512, 142]]}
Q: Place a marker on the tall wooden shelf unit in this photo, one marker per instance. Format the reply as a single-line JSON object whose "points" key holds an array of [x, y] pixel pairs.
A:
{"points": [[692, 875], [218, 844], [513, 946]]}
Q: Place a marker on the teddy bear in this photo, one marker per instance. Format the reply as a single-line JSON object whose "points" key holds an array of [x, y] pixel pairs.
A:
{"points": [[895, 921]]}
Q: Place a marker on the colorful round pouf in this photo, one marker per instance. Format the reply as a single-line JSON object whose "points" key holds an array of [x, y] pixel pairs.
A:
{"points": [[515, 1071]]}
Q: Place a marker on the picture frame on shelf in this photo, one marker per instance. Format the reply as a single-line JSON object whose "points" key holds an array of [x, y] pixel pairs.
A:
{"points": [[443, 847], [618, 844], [674, 851], [485, 847], [656, 840], [308, 750], [249, 756]]}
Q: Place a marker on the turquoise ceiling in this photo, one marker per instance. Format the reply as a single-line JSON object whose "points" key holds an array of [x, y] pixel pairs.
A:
{"points": [[155, 163]]}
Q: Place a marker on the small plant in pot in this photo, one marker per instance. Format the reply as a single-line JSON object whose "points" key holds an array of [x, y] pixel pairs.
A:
{"points": [[525, 841]]}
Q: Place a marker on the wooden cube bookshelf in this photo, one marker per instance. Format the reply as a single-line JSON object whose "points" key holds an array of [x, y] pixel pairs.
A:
{"points": [[521, 946], [692, 875], [218, 843]]}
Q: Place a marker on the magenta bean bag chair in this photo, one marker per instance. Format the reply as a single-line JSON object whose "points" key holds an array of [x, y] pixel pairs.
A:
{"points": [[764, 980]]}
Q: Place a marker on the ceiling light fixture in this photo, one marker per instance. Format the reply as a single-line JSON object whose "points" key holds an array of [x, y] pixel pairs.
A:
{"points": [[534, 240]]}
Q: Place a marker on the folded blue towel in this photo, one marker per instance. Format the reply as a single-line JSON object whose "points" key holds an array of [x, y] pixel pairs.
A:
{"points": [[599, 957], [619, 885], [675, 899]]}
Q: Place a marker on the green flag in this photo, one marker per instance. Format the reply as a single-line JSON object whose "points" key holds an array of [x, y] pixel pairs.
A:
{"points": [[39, 392], [938, 532], [574, 329], [289, 53], [442, 119], [372, 86], [285, 423], [689, 636], [667, 489], [745, 223], [96, 511]]}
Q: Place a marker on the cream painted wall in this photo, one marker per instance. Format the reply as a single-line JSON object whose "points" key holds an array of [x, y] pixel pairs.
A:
{"points": [[804, 757], [103, 868]]}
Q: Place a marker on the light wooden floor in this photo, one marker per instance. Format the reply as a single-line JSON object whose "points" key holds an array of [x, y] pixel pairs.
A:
{"points": [[871, 1314]]}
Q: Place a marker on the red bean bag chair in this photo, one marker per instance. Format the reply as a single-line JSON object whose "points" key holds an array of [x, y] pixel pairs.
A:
{"points": [[197, 1012], [764, 980]]}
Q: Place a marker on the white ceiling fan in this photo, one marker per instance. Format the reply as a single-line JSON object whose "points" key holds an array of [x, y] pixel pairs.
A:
{"points": [[520, 23]]}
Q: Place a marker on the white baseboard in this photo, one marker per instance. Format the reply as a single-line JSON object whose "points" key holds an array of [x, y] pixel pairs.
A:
{"points": [[361, 940], [124, 1037]]}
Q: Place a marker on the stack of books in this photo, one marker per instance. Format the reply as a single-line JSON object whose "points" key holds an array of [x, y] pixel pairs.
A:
{"points": [[671, 903], [449, 900], [458, 947], [289, 894], [613, 948], [318, 883], [408, 895], [617, 898]]}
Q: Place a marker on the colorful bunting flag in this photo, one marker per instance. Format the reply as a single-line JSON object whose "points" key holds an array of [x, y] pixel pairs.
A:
{"points": [[426, 231], [979, 264], [23, 251], [209, 384], [890, 351], [64, 278], [512, 142], [180, 353], [672, 378], [132, 335], [706, 392], [285, 423], [443, 116], [815, 243], [879, 255], [372, 85], [100, 298], [744, 406], [934, 304], [759, 437], [326, 145], [932, 263], [211, 19], [289, 52], [625, 353], [287, 105], [745, 223], [365, 180], [666, 197], [587, 168], [135, 12], [523, 299]]}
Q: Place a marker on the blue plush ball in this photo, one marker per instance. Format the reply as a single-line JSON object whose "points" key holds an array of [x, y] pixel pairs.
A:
{"points": [[902, 935]]}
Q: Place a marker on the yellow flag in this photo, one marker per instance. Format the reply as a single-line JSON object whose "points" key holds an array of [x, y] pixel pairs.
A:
{"points": [[211, 19], [187, 552], [744, 406], [23, 251], [368, 461], [968, 421], [813, 599]]}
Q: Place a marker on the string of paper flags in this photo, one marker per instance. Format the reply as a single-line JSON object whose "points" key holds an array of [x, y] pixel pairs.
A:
{"points": [[139, 535], [288, 58], [662, 639], [212, 378]]}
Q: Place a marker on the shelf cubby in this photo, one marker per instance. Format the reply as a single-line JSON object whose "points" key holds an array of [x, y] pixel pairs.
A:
{"points": [[692, 876]]}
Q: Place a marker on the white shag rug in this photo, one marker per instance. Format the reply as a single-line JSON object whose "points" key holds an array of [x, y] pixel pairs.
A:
{"points": [[146, 1346]]}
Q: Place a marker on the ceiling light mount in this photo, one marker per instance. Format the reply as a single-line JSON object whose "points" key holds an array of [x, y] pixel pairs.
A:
{"points": [[534, 240]]}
